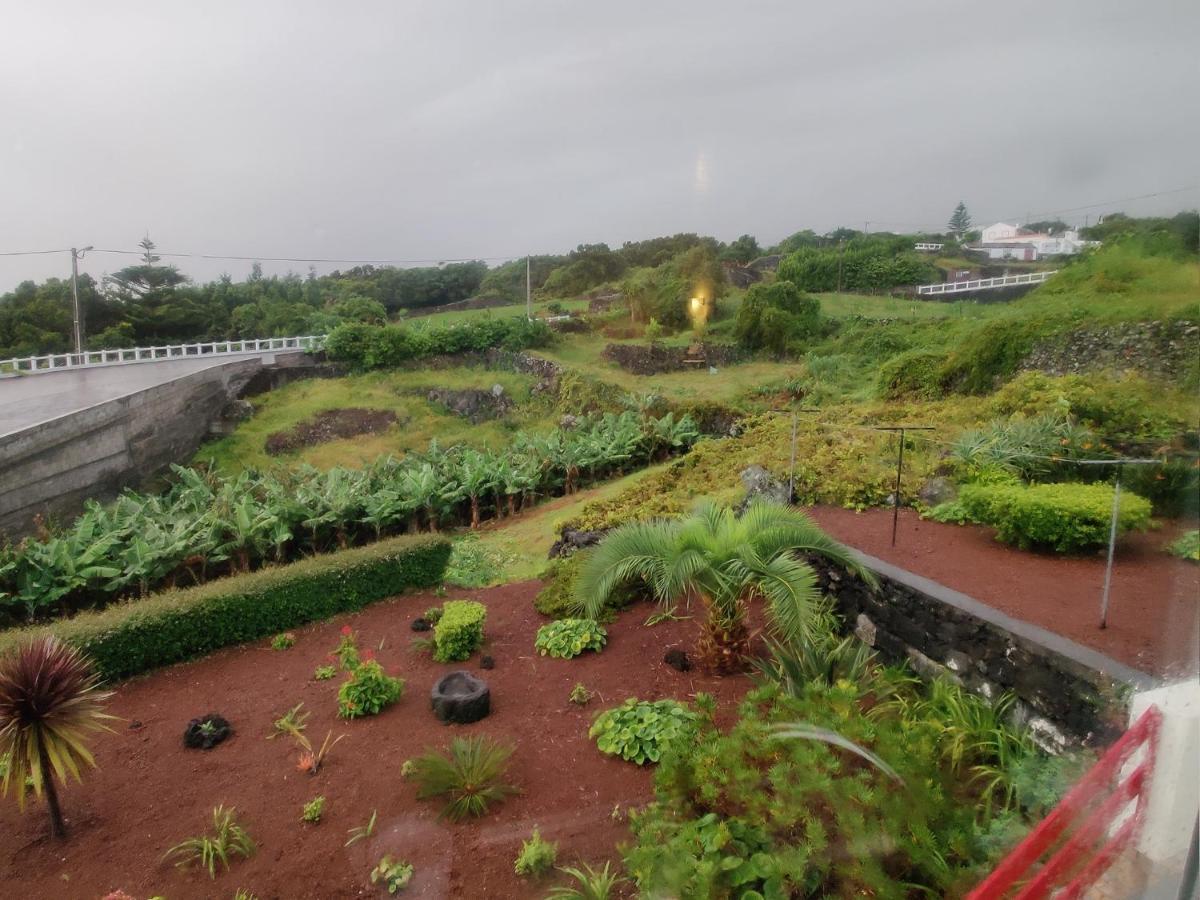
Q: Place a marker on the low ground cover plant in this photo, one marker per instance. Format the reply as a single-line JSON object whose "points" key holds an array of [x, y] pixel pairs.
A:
{"points": [[394, 874], [1187, 546], [284, 641], [459, 631], [312, 810], [580, 695], [228, 839], [641, 731], [590, 883], [1066, 518], [50, 704], [469, 776], [536, 856], [567, 638]]}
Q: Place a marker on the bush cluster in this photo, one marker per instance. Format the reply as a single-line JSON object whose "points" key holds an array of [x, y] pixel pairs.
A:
{"points": [[1066, 518], [459, 632], [177, 625], [557, 598], [776, 317], [641, 731], [368, 690], [361, 346], [567, 638]]}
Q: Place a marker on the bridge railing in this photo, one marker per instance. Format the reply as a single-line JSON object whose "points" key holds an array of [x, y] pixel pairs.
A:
{"points": [[57, 362], [983, 284]]}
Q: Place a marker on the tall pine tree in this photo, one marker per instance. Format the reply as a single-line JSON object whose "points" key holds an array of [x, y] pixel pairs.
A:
{"points": [[960, 221]]}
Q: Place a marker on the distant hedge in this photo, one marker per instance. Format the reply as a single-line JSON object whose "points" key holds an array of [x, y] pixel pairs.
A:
{"points": [[173, 626], [365, 347], [1067, 518]]}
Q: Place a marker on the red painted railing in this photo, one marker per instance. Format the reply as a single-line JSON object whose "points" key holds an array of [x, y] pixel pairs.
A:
{"points": [[1093, 806]]}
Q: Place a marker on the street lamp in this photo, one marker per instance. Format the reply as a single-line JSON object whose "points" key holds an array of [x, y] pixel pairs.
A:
{"points": [[76, 256]]}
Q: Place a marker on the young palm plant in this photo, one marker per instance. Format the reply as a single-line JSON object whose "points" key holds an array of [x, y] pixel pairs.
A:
{"points": [[724, 562], [469, 776], [49, 701]]}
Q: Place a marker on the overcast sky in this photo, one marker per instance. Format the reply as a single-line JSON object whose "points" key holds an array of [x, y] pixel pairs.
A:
{"points": [[437, 130]]}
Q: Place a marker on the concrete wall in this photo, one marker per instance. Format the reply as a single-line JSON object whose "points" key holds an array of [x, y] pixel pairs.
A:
{"points": [[1067, 693], [51, 468]]}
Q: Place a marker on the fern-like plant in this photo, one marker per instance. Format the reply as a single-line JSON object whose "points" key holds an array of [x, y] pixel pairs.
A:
{"points": [[593, 884], [227, 839], [469, 777], [723, 561], [50, 700]]}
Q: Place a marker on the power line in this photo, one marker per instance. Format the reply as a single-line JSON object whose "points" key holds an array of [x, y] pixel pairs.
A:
{"points": [[314, 259], [33, 252]]}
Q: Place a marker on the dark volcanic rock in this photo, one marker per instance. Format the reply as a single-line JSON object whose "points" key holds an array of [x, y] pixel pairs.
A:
{"points": [[486, 662], [206, 732], [570, 541], [461, 698], [420, 624], [677, 659]]}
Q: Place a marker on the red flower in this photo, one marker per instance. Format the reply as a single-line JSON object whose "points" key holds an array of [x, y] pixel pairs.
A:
{"points": [[368, 655], [347, 631]]}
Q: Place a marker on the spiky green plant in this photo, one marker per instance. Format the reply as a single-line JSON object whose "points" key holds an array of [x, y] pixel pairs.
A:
{"points": [[594, 884], [228, 838], [50, 700], [723, 561], [469, 776]]}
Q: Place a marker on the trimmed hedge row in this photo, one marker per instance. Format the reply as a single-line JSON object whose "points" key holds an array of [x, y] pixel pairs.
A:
{"points": [[173, 626], [1067, 518]]}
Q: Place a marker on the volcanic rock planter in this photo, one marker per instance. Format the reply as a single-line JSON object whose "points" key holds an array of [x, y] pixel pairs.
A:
{"points": [[460, 698], [206, 732]]}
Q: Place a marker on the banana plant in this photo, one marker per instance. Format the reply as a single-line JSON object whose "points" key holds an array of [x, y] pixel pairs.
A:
{"points": [[477, 474]]}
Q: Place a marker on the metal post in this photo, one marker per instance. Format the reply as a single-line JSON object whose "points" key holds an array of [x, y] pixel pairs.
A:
{"points": [[792, 470], [75, 300], [528, 292], [896, 493], [1112, 542]]}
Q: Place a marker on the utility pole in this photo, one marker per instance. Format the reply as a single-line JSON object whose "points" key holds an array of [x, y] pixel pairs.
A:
{"points": [[528, 292], [900, 429], [841, 245], [77, 255]]}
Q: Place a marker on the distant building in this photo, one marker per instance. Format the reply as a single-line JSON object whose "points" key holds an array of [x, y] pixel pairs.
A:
{"points": [[1004, 241]]}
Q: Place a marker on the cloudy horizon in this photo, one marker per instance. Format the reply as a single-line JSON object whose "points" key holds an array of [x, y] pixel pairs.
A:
{"points": [[437, 131]]}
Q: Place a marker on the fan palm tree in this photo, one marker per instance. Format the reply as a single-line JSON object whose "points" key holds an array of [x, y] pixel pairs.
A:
{"points": [[724, 562], [49, 701]]}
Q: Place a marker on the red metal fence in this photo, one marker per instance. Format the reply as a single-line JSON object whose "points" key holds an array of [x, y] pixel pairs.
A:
{"points": [[1092, 806]]}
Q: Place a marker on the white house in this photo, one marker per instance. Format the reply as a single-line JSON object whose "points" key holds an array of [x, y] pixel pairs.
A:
{"points": [[1004, 241]]}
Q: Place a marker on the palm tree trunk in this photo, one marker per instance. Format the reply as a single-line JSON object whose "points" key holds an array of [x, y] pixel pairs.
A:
{"points": [[724, 645], [474, 511], [57, 826]]}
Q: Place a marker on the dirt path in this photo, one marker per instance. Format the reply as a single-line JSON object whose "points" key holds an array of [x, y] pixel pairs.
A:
{"points": [[150, 793], [1154, 613]]}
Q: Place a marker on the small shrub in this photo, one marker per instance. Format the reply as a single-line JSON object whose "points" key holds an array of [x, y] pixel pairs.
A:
{"points": [[536, 856], [459, 632], [557, 598], [395, 874], [641, 731], [284, 641], [310, 760], [1187, 546], [408, 768], [292, 723], [594, 884], [228, 838], [324, 673], [566, 638], [312, 810], [916, 374], [1067, 518], [580, 695], [469, 776], [368, 690], [346, 652], [433, 615]]}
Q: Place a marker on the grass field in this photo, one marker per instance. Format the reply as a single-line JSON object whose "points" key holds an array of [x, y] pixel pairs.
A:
{"points": [[402, 392]]}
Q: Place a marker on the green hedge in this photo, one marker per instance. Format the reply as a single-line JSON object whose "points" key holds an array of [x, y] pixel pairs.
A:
{"points": [[459, 631], [1068, 518], [166, 628]]}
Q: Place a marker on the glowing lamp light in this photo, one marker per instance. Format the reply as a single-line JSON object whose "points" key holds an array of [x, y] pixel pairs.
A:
{"points": [[696, 304]]}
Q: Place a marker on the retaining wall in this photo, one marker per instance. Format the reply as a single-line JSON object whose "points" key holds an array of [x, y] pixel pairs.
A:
{"points": [[1067, 693], [49, 469]]}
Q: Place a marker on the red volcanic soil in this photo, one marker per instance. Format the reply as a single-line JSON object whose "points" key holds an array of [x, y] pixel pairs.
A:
{"points": [[1154, 603], [150, 793]]}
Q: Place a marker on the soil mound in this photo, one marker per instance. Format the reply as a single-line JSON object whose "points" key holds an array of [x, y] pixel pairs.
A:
{"points": [[330, 425]]}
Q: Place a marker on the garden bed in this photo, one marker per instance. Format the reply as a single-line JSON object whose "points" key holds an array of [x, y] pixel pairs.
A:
{"points": [[1154, 615], [330, 425], [150, 793]]}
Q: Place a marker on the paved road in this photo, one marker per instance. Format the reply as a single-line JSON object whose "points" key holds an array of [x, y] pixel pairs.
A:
{"points": [[29, 399]]}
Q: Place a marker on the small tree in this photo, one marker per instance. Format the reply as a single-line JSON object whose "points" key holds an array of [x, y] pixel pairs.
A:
{"points": [[49, 700], [960, 221], [773, 316]]}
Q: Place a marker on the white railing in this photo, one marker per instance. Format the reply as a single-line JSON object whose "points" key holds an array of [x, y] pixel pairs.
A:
{"points": [[983, 284], [924, 245], [57, 362]]}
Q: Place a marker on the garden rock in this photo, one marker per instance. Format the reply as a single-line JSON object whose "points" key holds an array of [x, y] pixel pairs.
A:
{"points": [[487, 662], [570, 541], [472, 404], [460, 698], [420, 624], [206, 732], [761, 483], [678, 659], [937, 490]]}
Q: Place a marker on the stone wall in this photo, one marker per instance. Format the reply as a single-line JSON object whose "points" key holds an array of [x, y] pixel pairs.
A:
{"points": [[51, 468], [1068, 694], [1159, 349]]}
